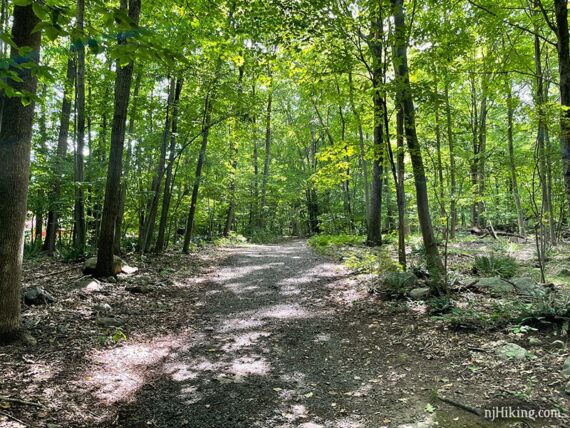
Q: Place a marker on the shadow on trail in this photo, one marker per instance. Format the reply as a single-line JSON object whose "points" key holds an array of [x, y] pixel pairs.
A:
{"points": [[270, 347]]}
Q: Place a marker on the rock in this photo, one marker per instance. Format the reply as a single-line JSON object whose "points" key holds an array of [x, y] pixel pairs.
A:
{"points": [[566, 368], [528, 287], [102, 308], [91, 263], [558, 344], [512, 351], [495, 286], [534, 341], [37, 296], [129, 269], [400, 281], [88, 284], [419, 293], [110, 322]]}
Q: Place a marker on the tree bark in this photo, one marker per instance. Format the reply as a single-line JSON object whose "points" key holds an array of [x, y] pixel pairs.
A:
{"points": [[79, 231], [198, 176], [167, 196], [265, 176], [512, 163], [563, 48], [123, 80], [58, 164], [127, 168], [157, 180], [433, 260], [452, 165], [15, 148], [374, 236]]}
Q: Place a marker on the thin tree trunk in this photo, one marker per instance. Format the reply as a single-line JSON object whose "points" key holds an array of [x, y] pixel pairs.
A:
{"points": [[374, 236], [452, 165], [161, 240], [433, 260], [198, 175], [58, 164], [123, 82], [79, 236], [265, 176], [362, 159], [540, 139], [512, 163], [157, 180], [15, 148]]}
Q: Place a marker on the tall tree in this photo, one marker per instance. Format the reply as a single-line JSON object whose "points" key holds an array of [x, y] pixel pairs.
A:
{"points": [[15, 147], [434, 264], [123, 82], [80, 231]]}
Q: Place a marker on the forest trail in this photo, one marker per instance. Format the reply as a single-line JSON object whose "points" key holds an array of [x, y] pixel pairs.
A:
{"points": [[283, 338]]}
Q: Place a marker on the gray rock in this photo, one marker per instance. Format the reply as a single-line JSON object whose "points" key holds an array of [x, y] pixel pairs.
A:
{"points": [[566, 368], [102, 308], [512, 351], [110, 322], [400, 280], [528, 287], [37, 296], [419, 293], [90, 264], [534, 341], [495, 286]]}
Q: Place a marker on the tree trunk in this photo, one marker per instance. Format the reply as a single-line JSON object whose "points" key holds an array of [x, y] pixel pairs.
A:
{"points": [[452, 166], [161, 240], [58, 165], [512, 163], [374, 236], [157, 180], [123, 82], [198, 175], [541, 140], [561, 12], [362, 159], [128, 161], [79, 235], [433, 259], [15, 148], [265, 176]]}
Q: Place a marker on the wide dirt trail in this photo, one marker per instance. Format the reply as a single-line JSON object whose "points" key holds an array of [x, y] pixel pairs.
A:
{"points": [[282, 338]]}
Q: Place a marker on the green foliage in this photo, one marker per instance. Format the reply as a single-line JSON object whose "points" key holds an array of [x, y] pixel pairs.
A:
{"points": [[440, 305], [326, 241], [503, 266], [113, 337], [230, 240]]}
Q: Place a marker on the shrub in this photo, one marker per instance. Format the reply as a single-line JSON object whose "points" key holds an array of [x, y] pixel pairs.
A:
{"points": [[232, 239], [324, 241], [503, 266]]}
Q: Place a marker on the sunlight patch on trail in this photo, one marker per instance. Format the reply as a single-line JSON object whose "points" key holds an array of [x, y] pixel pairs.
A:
{"points": [[117, 374]]}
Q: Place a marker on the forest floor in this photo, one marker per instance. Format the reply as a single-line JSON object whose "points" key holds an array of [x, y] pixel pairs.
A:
{"points": [[256, 336]]}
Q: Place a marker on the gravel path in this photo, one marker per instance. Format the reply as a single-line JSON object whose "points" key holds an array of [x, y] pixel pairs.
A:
{"points": [[282, 338]]}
